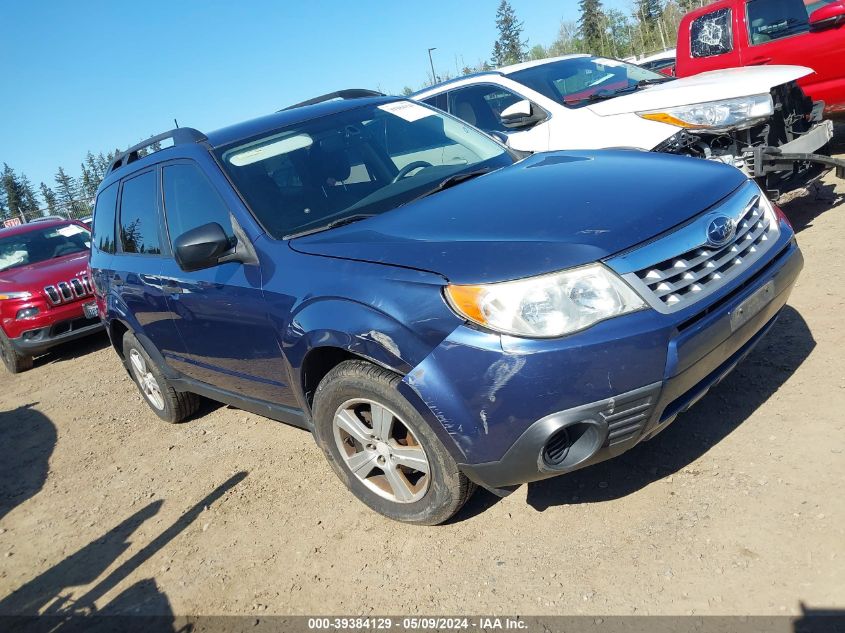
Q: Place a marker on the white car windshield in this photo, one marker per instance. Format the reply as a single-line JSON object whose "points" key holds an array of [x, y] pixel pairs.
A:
{"points": [[580, 80]]}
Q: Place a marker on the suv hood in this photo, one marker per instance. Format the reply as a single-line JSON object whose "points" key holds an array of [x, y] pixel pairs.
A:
{"points": [[546, 213], [35, 277], [709, 86]]}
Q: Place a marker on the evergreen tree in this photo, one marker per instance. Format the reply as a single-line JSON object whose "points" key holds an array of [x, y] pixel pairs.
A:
{"points": [[49, 197], [591, 27], [12, 191], [648, 11], [510, 47], [66, 191], [29, 203]]}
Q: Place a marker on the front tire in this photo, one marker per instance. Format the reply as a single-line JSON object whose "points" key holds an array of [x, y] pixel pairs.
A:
{"points": [[382, 449], [15, 363], [167, 403]]}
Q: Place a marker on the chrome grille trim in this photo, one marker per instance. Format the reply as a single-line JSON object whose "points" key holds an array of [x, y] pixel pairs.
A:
{"points": [[682, 268], [65, 291]]}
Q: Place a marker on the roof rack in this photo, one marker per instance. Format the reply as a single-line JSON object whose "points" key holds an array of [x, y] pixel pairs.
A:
{"points": [[349, 93], [179, 136]]}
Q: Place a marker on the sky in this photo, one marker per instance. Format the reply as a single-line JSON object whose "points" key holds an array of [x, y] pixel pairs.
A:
{"points": [[96, 75]]}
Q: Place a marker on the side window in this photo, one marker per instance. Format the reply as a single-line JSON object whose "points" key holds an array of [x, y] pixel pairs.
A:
{"points": [[773, 19], [712, 34], [437, 101], [103, 228], [482, 106], [139, 221], [191, 201]]}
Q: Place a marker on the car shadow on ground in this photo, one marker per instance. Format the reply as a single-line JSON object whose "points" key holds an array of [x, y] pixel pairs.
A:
{"points": [[712, 419], [806, 206], [74, 349], [50, 593], [27, 439]]}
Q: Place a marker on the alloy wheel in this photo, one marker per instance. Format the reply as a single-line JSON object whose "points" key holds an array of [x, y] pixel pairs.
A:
{"points": [[146, 380], [381, 451]]}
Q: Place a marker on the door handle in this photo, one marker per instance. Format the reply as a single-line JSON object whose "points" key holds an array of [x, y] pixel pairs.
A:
{"points": [[757, 61]]}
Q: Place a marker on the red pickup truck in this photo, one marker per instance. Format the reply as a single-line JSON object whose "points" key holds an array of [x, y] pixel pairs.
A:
{"points": [[45, 291], [730, 33]]}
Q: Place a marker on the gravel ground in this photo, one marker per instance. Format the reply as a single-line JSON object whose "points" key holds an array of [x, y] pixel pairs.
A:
{"points": [[736, 508]]}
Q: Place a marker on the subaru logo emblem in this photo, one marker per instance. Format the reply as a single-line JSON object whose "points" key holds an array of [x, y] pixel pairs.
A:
{"points": [[720, 231]]}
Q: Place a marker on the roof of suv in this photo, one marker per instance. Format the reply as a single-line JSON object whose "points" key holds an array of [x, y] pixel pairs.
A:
{"points": [[283, 118]]}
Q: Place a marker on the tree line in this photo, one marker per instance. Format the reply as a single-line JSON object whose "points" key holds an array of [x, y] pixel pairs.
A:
{"points": [[649, 27], [68, 196]]}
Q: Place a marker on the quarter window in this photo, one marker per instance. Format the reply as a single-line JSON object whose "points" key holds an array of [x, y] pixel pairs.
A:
{"points": [[139, 221], [103, 227], [190, 200], [712, 34]]}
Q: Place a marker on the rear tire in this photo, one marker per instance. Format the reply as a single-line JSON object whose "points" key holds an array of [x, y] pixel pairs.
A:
{"points": [[15, 363], [170, 405], [382, 449]]}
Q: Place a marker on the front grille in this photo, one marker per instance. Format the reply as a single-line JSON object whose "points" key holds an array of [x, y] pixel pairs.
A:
{"points": [[625, 419], [678, 281], [65, 291]]}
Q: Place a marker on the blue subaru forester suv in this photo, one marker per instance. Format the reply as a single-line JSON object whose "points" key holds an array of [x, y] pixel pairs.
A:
{"points": [[436, 310]]}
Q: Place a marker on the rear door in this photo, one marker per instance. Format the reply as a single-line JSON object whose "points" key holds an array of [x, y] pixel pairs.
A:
{"points": [[778, 32], [135, 275], [220, 312]]}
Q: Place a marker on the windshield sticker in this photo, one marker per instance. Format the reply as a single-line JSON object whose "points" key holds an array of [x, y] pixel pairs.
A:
{"points": [[70, 229], [407, 110]]}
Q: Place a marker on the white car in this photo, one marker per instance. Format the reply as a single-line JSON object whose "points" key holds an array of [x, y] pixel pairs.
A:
{"points": [[755, 118]]}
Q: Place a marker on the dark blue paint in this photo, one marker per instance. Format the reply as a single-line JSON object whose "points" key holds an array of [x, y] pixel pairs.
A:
{"points": [[375, 289]]}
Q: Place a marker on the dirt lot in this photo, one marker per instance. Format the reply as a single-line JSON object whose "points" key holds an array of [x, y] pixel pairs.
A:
{"points": [[736, 508]]}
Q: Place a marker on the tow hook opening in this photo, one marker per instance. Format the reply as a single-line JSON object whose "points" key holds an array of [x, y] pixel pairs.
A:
{"points": [[572, 445]]}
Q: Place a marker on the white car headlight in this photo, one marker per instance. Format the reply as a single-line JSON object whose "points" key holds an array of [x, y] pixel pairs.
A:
{"points": [[549, 305], [715, 115]]}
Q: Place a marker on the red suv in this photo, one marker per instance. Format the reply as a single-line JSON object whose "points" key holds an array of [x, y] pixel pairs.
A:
{"points": [[45, 290], [807, 33]]}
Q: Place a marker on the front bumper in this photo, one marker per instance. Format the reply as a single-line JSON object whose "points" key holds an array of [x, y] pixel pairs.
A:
{"points": [[762, 161], [39, 340], [501, 407]]}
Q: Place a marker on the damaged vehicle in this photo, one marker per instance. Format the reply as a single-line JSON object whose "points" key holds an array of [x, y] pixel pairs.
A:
{"points": [[439, 312], [756, 119]]}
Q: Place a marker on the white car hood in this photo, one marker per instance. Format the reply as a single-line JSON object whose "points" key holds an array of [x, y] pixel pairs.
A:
{"points": [[709, 86]]}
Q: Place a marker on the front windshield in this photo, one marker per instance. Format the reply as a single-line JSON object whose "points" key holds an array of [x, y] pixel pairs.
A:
{"points": [[36, 246], [359, 162], [579, 80]]}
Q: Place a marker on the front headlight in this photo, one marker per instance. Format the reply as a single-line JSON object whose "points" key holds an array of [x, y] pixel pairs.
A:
{"points": [[715, 114], [15, 295], [548, 305]]}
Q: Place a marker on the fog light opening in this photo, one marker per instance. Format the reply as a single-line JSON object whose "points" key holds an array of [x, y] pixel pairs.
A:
{"points": [[572, 444]]}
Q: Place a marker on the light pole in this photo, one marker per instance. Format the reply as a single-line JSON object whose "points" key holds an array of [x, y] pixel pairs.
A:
{"points": [[430, 61]]}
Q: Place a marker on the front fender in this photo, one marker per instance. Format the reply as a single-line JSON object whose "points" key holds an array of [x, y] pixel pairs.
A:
{"points": [[353, 327]]}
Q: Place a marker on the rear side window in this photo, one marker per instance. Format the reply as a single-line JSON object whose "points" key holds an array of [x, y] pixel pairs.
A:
{"points": [[103, 228], [139, 221], [190, 200], [712, 34], [773, 19], [437, 101]]}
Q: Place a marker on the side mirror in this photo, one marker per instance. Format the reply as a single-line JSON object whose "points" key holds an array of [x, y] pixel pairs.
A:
{"points": [[201, 247], [522, 114], [828, 17]]}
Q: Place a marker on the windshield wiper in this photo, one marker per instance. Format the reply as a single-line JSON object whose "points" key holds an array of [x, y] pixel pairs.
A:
{"points": [[651, 82], [451, 181], [349, 219], [605, 94]]}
